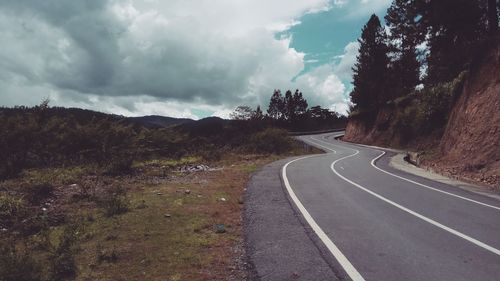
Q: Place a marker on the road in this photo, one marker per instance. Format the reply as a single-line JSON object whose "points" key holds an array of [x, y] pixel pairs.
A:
{"points": [[378, 223]]}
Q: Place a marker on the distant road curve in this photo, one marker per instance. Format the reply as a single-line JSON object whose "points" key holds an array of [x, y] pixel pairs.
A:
{"points": [[377, 223], [316, 132]]}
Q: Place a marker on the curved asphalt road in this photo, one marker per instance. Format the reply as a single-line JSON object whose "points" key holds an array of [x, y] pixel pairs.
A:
{"points": [[378, 223]]}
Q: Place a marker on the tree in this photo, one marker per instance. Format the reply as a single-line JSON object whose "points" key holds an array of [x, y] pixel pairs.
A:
{"points": [[276, 106], [257, 114], [370, 70], [242, 112], [492, 17], [289, 105], [453, 28], [300, 104], [295, 106], [404, 35], [323, 114]]}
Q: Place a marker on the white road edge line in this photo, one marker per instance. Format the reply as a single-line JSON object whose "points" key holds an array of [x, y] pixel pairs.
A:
{"points": [[433, 222], [343, 261], [414, 182]]}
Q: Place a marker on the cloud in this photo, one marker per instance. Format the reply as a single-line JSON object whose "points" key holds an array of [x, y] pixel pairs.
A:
{"points": [[355, 9], [173, 57], [344, 67]]}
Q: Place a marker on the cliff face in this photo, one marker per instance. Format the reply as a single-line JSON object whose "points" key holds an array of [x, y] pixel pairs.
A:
{"points": [[469, 144]]}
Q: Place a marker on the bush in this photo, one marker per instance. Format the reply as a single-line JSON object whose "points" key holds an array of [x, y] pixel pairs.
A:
{"points": [[37, 192], [115, 202], [104, 255], [62, 255], [12, 210], [428, 110], [16, 265], [120, 165], [211, 153], [271, 140], [10, 168]]}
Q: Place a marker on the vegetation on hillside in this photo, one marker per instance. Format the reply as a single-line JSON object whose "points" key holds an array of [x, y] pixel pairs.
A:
{"points": [[83, 194], [291, 112], [43, 136], [416, 65]]}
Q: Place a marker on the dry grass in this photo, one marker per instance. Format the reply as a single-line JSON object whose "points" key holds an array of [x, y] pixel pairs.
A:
{"points": [[170, 229], [148, 245]]}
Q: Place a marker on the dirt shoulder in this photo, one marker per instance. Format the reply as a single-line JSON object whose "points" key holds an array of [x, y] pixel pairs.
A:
{"points": [[398, 162]]}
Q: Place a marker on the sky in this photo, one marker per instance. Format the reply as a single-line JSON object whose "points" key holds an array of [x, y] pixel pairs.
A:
{"points": [[179, 58]]}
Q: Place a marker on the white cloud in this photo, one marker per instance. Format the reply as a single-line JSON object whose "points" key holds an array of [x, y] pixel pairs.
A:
{"points": [[363, 8], [344, 68], [175, 57], [323, 87]]}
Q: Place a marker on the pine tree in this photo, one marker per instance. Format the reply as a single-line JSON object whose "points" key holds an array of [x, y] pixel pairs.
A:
{"points": [[453, 28], [276, 106], [370, 71], [297, 106], [404, 35], [257, 114], [492, 17], [288, 106], [300, 104]]}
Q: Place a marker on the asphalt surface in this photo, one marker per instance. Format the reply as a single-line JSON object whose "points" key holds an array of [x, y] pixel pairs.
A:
{"points": [[280, 247], [348, 215]]}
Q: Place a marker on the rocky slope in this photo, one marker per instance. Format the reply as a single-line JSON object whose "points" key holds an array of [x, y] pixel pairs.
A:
{"points": [[470, 145]]}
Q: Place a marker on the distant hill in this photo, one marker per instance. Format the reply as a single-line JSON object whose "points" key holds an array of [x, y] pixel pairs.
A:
{"points": [[159, 121], [204, 127]]}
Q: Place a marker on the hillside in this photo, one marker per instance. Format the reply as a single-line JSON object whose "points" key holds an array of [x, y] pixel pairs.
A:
{"points": [[470, 143], [455, 125], [84, 193], [161, 121]]}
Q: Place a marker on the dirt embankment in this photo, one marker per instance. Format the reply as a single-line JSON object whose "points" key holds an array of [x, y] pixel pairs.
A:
{"points": [[468, 147]]}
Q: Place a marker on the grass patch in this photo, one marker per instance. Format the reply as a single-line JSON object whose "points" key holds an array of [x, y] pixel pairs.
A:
{"points": [[168, 163], [68, 175]]}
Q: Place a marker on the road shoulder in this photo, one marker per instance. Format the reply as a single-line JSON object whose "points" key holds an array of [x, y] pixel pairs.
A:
{"points": [[397, 162], [279, 246]]}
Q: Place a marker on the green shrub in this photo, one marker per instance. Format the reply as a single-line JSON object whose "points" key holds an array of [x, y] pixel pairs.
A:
{"points": [[17, 215], [17, 265], [62, 255], [12, 210], [10, 167], [271, 140], [35, 193], [103, 255], [428, 110], [211, 153], [120, 165], [435, 103], [115, 202]]}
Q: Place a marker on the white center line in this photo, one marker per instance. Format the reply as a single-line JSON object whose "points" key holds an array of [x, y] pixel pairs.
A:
{"points": [[422, 217], [411, 181]]}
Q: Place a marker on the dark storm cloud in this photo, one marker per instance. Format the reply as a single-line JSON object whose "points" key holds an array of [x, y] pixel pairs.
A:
{"points": [[90, 28], [105, 58], [138, 55]]}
